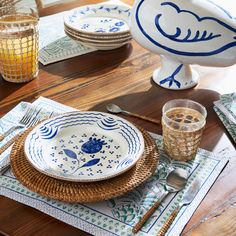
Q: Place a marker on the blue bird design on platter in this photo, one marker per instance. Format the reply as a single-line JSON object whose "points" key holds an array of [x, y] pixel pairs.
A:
{"points": [[227, 13], [189, 35], [171, 79], [188, 38], [184, 32]]}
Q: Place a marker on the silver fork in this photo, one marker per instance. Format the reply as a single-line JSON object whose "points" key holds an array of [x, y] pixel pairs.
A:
{"points": [[29, 119], [32, 119]]}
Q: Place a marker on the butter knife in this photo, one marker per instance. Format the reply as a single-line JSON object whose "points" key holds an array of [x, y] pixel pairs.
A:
{"points": [[187, 199]]}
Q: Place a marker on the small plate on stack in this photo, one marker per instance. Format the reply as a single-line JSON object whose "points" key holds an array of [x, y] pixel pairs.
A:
{"points": [[100, 26]]}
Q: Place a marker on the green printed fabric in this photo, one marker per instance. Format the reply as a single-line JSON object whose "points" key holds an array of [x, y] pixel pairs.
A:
{"points": [[54, 44], [117, 216], [228, 101]]}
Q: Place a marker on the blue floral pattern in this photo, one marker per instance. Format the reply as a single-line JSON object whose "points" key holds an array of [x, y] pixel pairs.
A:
{"points": [[94, 145], [74, 152], [100, 19], [102, 25]]}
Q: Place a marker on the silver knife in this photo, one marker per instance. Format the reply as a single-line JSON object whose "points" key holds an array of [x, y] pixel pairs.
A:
{"points": [[187, 199]]}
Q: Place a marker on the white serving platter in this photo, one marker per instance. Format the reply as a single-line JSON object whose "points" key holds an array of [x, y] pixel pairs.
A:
{"points": [[84, 146]]}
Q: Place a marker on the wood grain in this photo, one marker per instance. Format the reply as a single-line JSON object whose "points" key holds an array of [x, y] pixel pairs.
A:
{"points": [[220, 222], [123, 76]]}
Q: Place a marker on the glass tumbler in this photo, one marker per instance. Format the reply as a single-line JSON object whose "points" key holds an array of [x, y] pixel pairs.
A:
{"points": [[19, 43], [183, 122], [7, 2]]}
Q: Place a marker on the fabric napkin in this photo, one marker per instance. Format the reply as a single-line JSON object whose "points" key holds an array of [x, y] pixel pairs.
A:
{"points": [[117, 216], [225, 108], [54, 45]]}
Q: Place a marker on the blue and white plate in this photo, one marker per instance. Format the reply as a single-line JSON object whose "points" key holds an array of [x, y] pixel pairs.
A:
{"points": [[84, 146], [99, 19]]}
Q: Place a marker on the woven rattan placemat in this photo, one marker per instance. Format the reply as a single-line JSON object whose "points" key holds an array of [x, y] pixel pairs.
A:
{"points": [[78, 191]]}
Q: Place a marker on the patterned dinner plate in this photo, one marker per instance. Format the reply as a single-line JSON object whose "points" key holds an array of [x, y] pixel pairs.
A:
{"points": [[97, 40], [84, 146], [98, 36], [99, 19], [98, 45]]}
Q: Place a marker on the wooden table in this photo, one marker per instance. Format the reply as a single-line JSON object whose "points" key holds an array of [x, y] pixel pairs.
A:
{"points": [[123, 76]]}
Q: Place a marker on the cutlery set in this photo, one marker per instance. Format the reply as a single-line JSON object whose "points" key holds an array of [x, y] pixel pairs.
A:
{"points": [[175, 181], [30, 118], [186, 200]]}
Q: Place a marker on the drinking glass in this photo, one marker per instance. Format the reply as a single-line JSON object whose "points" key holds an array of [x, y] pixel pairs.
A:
{"points": [[19, 43], [183, 122]]}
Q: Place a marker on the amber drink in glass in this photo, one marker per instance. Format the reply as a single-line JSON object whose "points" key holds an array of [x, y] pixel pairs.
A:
{"points": [[183, 122], [19, 43]]}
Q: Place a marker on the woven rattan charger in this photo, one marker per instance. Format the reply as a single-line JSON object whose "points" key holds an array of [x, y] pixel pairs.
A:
{"points": [[78, 191]]}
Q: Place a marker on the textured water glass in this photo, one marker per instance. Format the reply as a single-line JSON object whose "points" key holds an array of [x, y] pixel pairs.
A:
{"points": [[7, 2], [19, 43], [183, 122]]}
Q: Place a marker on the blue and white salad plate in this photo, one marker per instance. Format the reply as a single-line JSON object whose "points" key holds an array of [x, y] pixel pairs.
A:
{"points": [[99, 19], [84, 146]]}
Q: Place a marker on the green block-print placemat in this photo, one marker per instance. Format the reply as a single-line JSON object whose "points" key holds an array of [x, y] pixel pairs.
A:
{"points": [[117, 216], [54, 45]]}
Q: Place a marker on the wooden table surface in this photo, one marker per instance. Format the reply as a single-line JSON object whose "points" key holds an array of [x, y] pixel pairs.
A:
{"points": [[123, 76]]}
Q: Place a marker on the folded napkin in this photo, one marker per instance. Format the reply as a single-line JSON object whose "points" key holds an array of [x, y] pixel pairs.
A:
{"points": [[54, 45], [225, 108], [117, 216]]}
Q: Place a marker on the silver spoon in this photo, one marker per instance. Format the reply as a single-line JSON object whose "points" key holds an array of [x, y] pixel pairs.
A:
{"points": [[175, 181], [113, 108]]}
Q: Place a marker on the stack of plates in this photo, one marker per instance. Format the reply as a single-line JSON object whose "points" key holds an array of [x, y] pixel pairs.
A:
{"points": [[84, 146], [100, 26]]}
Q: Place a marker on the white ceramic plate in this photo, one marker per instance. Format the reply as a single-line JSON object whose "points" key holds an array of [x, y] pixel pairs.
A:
{"points": [[98, 42], [95, 40], [96, 45], [84, 146], [99, 19], [100, 36]]}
